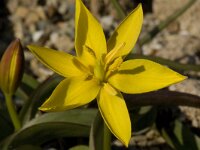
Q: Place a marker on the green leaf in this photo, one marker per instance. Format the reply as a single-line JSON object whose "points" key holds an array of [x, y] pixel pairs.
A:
{"points": [[27, 86], [96, 133], [72, 123], [38, 97], [6, 127], [180, 137], [28, 147], [143, 118], [80, 147], [29, 81]]}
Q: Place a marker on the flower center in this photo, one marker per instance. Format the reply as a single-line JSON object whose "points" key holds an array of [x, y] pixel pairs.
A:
{"points": [[102, 68], [99, 72]]}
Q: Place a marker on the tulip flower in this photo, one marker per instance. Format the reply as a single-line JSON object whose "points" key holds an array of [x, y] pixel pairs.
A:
{"points": [[11, 71], [11, 67], [99, 70]]}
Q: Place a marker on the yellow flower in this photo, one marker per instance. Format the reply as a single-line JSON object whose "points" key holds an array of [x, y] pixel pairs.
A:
{"points": [[98, 70]]}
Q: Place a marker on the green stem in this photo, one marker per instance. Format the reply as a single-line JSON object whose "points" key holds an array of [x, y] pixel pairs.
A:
{"points": [[12, 112], [106, 138], [150, 35]]}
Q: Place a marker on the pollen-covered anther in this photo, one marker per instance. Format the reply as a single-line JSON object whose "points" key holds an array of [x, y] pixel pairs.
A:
{"points": [[116, 63], [99, 71], [112, 54]]}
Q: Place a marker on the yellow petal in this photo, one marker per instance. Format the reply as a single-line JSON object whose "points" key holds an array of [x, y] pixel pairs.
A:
{"points": [[127, 33], [140, 75], [89, 34], [71, 93], [115, 114], [60, 62]]}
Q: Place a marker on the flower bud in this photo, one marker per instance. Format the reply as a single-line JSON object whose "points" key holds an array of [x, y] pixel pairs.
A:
{"points": [[11, 67]]}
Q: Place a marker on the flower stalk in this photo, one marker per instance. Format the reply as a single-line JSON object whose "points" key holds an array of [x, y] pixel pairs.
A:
{"points": [[106, 137], [12, 112]]}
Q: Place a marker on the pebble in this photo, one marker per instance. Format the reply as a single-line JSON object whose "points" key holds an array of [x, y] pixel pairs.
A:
{"points": [[107, 22], [31, 18], [22, 12], [63, 8], [37, 36], [40, 12]]}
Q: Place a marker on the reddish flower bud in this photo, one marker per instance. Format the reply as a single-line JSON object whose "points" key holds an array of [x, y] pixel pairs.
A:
{"points": [[11, 67]]}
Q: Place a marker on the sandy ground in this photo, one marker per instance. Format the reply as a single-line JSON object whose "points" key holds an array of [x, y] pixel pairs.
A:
{"points": [[51, 23]]}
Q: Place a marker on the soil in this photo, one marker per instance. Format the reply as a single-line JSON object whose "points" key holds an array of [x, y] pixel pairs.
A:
{"points": [[51, 23]]}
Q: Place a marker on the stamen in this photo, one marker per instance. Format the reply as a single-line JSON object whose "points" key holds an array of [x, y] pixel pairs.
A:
{"points": [[112, 68], [99, 71], [116, 63], [111, 55]]}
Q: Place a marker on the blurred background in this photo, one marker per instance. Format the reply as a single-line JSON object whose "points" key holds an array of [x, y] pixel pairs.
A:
{"points": [[51, 23]]}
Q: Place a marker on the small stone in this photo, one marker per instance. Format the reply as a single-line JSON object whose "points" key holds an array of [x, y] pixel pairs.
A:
{"points": [[64, 43], [18, 30], [150, 134], [54, 37], [195, 123], [52, 3], [142, 143], [40, 70], [21, 12], [40, 12], [117, 143], [160, 140], [43, 25], [37, 35], [32, 18], [51, 10], [12, 6], [174, 27], [63, 8], [139, 138], [107, 22]]}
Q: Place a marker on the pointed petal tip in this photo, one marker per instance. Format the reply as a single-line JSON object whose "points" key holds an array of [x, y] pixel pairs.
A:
{"points": [[139, 7], [126, 144], [185, 77], [43, 108], [139, 10], [127, 32], [181, 78], [89, 32], [47, 109], [112, 104], [125, 141]]}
